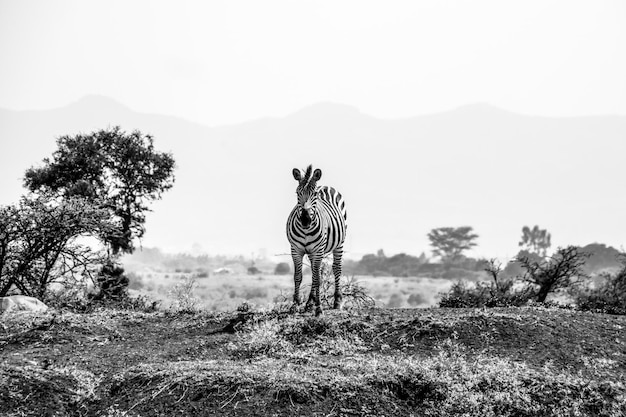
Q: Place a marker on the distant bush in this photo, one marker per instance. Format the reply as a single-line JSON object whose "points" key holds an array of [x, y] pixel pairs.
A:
{"points": [[253, 270], [497, 293], [482, 295], [607, 297], [455, 273], [417, 299], [461, 296], [202, 274], [379, 265], [395, 301], [282, 268]]}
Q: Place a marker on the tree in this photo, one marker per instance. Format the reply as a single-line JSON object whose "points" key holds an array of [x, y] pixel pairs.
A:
{"points": [[39, 243], [535, 240], [121, 170], [556, 272], [450, 242]]}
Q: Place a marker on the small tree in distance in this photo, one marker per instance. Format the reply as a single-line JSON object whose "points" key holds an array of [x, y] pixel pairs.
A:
{"points": [[535, 240], [450, 242]]}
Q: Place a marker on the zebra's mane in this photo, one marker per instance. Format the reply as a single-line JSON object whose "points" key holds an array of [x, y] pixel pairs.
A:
{"points": [[307, 175]]}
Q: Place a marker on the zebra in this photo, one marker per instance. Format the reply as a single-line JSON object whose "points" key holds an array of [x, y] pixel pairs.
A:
{"points": [[316, 227]]}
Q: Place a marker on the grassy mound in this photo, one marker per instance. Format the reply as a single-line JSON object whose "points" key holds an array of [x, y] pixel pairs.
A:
{"points": [[436, 362]]}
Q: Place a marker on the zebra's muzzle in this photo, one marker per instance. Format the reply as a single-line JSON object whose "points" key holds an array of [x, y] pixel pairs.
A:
{"points": [[305, 218]]}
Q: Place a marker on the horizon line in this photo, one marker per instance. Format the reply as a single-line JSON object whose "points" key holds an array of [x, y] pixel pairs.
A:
{"points": [[328, 103]]}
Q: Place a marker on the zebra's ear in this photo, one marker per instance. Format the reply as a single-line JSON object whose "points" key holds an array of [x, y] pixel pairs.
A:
{"points": [[317, 174], [297, 174]]}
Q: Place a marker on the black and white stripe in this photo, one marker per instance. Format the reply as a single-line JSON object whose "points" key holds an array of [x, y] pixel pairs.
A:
{"points": [[316, 227]]}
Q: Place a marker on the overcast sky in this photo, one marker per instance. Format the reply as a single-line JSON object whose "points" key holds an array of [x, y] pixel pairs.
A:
{"points": [[225, 62], [222, 62]]}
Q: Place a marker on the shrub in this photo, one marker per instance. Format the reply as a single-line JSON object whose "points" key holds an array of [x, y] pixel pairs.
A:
{"points": [[497, 293], [417, 299], [395, 301], [354, 295], [139, 303], [111, 282], [183, 294], [73, 298], [556, 272], [460, 296], [607, 297], [282, 268]]}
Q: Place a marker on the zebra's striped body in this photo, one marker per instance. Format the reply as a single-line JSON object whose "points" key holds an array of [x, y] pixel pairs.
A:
{"points": [[316, 227]]}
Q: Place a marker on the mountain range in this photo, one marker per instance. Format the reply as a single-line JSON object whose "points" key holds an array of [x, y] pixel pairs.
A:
{"points": [[476, 165]]}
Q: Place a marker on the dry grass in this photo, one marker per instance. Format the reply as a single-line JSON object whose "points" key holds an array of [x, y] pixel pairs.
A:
{"points": [[432, 362], [226, 292]]}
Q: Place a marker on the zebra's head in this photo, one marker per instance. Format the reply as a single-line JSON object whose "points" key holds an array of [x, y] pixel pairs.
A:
{"points": [[307, 196]]}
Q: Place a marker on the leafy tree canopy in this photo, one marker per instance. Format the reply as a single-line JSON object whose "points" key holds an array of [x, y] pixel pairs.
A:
{"points": [[450, 242], [123, 170]]}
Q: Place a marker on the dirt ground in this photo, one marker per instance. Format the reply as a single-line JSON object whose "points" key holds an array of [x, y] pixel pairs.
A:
{"points": [[114, 362]]}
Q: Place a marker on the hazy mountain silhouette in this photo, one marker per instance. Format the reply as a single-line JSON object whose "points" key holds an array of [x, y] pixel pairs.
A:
{"points": [[475, 165]]}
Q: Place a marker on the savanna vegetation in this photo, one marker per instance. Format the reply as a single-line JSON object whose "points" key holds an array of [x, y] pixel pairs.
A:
{"points": [[145, 333], [530, 361], [96, 186]]}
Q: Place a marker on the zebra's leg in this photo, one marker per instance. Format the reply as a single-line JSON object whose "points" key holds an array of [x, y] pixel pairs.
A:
{"points": [[337, 255], [308, 307], [297, 279], [316, 263]]}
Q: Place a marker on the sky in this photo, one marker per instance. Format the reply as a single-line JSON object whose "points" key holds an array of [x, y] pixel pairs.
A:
{"points": [[226, 62], [223, 62]]}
